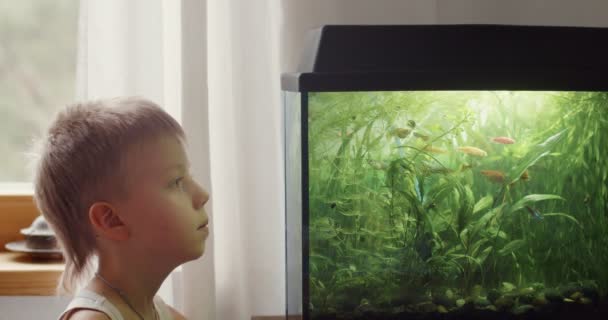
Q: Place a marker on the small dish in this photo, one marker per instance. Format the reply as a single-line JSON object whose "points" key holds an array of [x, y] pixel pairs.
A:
{"points": [[20, 246]]}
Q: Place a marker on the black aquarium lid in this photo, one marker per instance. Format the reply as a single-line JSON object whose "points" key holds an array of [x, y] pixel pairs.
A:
{"points": [[452, 57]]}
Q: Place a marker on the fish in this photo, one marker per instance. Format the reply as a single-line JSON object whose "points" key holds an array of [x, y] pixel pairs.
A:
{"points": [[411, 123], [377, 164], [534, 213], [466, 166], [438, 169], [348, 133], [473, 151], [435, 150], [494, 175], [421, 136], [402, 132], [525, 176], [503, 140]]}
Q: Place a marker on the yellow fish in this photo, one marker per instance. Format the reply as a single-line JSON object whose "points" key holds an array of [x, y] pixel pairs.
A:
{"points": [[466, 166], [402, 132], [377, 164], [421, 136], [473, 151], [435, 150], [348, 133]]}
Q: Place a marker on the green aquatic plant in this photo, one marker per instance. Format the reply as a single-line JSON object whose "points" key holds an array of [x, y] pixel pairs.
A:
{"points": [[410, 192]]}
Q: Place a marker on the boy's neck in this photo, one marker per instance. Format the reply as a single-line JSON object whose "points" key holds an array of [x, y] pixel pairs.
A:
{"points": [[138, 284]]}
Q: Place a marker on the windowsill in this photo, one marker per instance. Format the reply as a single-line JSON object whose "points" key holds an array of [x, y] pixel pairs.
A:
{"points": [[16, 189], [19, 274], [23, 276]]}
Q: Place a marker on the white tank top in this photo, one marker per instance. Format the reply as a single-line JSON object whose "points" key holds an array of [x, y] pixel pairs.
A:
{"points": [[86, 299]]}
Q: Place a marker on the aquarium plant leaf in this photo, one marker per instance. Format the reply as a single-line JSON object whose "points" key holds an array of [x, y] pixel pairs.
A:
{"points": [[320, 257], [497, 233], [464, 239], [326, 234], [475, 247], [484, 254], [564, 215], [465, 210], [354, 213], [482, 204], [536, 153], [466, 257], [483, 221], [365, 139], [511, 246], [440, 190], [532, 198], [418, 189]]}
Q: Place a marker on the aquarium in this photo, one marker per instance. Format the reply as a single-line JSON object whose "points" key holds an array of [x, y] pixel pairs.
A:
{"points": [[447, 172]]}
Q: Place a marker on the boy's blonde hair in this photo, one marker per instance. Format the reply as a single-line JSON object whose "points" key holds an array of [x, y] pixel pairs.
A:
{"points": [[81, 161]]}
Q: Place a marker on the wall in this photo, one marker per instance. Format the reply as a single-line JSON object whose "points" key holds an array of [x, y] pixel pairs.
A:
{"points": [[301, 16], [527, 12]]}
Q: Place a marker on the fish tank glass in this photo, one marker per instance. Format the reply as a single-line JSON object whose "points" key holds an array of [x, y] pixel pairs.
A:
{"points": [[462, 176]]}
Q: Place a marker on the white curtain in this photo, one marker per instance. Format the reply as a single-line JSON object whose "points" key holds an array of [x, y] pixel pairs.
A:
{"points": [[133, 48]]}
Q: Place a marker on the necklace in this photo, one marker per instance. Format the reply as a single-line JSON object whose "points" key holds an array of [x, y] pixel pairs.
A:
{"points": [[123, 296]]}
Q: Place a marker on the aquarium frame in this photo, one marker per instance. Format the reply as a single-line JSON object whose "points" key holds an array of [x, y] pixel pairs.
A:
{"points": [[566, 71], [547, 80], [305, 208], [481, 57]]}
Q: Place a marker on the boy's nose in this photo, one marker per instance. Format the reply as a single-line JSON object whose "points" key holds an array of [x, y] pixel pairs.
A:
{"points": [[201, 196]]}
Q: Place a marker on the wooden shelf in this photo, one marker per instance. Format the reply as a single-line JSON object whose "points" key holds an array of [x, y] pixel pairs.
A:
{"points": [[21, 275], [16, 212]]}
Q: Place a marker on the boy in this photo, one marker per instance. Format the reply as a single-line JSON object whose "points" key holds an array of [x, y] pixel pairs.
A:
{"points": [[113, 182]]}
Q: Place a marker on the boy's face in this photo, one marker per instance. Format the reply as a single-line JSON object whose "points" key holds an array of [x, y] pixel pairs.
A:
{"points": [[164, 207]]}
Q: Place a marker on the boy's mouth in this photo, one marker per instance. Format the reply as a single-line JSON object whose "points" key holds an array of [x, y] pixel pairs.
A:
{"points": [[204, 224]]}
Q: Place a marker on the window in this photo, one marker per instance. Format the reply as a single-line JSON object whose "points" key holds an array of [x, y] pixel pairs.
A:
{"points": [[38, 41]]}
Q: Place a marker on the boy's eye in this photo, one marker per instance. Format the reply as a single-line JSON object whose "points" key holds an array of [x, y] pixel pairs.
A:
{"points": [[178, 182]]}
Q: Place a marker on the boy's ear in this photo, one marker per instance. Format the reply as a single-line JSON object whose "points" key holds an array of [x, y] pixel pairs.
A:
{"points": [[106, 222]]}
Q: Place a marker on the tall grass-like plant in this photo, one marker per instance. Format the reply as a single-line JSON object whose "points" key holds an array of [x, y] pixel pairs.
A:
{"points": [[397, 208]]}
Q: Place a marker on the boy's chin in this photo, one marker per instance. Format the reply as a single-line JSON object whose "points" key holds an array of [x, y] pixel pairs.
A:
{"points": [[196, 254]]}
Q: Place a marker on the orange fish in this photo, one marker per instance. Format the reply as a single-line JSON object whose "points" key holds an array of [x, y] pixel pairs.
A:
{"points": [[503, 140], [473, 151], [494, 175], [435, 150]]}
